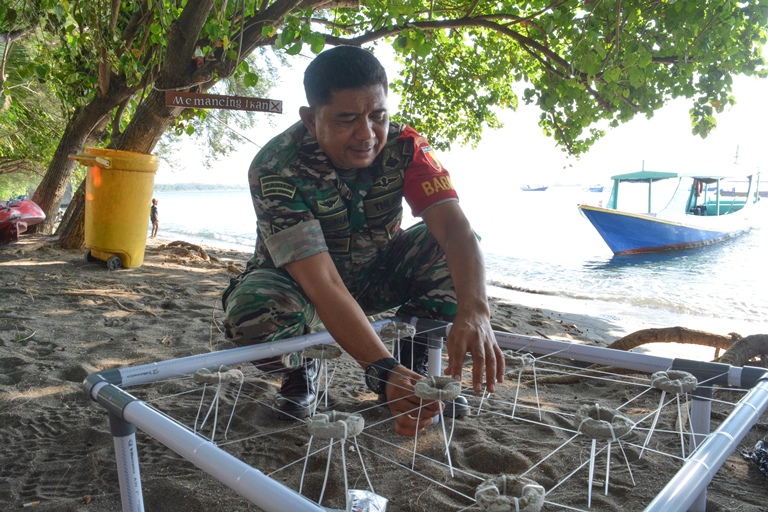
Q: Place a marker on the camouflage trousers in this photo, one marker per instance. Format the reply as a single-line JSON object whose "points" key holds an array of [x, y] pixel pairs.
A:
{"points": [[263, 305]]}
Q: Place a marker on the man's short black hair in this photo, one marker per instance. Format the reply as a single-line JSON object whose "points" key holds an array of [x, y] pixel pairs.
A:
{"points": [[342, 67]]}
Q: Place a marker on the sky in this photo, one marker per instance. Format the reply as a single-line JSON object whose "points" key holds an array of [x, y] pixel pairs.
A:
{"points": [[520, 154]]}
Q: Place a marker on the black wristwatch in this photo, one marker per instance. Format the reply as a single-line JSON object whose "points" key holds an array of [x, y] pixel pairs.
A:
{"points": [[376, 374]]}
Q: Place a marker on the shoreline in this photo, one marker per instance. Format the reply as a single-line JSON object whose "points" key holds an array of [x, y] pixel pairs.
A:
{"points": [[596, 321]]}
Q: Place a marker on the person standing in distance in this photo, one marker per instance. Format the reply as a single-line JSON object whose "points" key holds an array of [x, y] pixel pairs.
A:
{"points": [[328, 195], [154, 218]]}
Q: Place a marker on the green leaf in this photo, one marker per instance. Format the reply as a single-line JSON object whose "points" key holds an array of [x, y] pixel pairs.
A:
{"points": [[644, 58], [636, 77], [423, 49], [250, 79], [42, 71], [295, 48], [612, 75], [285, 38], [10, 17], [316, 42]]}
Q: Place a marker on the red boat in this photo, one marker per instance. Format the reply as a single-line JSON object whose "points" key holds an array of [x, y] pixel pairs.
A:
{"points": [[16, 216]]}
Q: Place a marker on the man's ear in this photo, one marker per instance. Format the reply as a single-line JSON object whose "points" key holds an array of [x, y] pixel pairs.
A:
{"points": [[308, 118]]}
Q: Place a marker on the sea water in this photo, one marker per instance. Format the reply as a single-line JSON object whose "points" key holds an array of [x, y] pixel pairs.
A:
{"points": [[539, 244]]}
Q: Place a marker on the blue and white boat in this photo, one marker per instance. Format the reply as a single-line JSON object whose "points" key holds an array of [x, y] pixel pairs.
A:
{"points": [[677, 211]]}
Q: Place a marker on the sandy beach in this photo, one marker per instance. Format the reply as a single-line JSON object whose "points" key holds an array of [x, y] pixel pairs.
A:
{"points": [[64, 318]]}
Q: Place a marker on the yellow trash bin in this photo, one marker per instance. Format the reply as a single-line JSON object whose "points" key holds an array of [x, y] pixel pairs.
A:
{"points": [[118, 193]]}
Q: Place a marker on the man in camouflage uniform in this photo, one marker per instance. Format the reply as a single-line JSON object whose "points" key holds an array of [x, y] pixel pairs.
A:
{"points": [[328, 196]]}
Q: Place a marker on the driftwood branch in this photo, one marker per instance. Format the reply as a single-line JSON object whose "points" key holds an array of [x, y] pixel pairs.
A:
{"points": [[674, 335], [656, 335], [105, 295], [746, 349]]}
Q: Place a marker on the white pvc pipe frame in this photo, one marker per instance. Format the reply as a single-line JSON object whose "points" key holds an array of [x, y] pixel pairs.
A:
{"points": [[685, 490]]}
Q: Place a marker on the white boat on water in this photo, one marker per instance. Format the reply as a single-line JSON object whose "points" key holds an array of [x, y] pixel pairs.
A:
{"points": [[698, 213]]}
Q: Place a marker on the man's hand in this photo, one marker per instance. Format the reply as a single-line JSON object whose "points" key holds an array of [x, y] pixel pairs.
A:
{"points": [[473, 334], [405, 406], [471, 331]]}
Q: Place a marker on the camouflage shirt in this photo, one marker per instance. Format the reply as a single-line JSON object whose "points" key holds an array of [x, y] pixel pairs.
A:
{"points": [[305, 206]]}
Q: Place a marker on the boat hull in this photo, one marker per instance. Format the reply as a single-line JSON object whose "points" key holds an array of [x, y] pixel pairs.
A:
{"points": [[632, 233], [16, 216]]}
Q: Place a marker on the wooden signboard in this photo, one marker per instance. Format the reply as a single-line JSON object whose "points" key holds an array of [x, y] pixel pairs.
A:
{"points": [[198, 100]]}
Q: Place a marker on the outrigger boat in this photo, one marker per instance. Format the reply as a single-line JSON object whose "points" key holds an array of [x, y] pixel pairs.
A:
{"points": [[697, 214], [534, 188], [16, 216]]}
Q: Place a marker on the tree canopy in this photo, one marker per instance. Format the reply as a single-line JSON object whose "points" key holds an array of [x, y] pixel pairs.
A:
{"points": [[585, 63], [31, 121]]}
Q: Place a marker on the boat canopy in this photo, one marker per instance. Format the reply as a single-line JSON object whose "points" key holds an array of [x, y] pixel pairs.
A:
{"points": [[650, 176], [642, 176], [645, 176]]}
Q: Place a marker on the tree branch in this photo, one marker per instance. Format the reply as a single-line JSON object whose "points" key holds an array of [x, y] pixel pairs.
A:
{"points": [[330, 4], [272, 15], [180, 45], [9, 37], [549, 59]]}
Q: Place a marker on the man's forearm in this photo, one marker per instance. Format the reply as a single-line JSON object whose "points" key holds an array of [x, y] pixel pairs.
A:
{"points": [[467, 267], [338, 310], [349, 326]]}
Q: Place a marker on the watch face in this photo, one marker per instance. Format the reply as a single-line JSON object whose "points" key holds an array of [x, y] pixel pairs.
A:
{"points": [[376, 374], [373, 379]]}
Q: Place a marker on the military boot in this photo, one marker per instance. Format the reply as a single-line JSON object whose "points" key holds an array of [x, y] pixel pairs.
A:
{"points": [[299, 392], [413, 354]]}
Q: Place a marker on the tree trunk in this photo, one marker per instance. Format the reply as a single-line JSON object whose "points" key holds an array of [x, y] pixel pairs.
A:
{"points": [[149, 123], [51, 189], [71, 231]]}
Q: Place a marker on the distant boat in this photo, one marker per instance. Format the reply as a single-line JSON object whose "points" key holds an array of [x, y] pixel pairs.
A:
{"points": [[16, 216], [534, 188], [596, 188], [694, 216]]}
